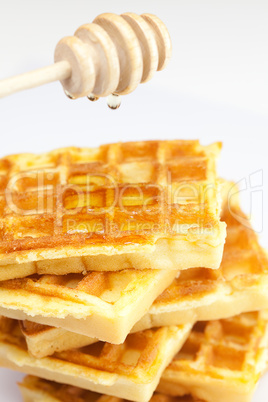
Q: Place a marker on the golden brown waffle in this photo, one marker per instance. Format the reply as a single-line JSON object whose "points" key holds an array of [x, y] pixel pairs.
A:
{"points": [[102, 305], [147, 204], [36, 389], [131, 370], [240, 285], [221, 360]]}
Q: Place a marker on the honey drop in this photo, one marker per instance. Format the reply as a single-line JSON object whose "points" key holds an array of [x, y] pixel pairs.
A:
{"points": [[92, 97], [70, 96], [114, 101]]}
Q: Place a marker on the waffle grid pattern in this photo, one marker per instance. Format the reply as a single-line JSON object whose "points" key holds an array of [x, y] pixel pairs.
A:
{"points": [[222, 357], [139, 360], [114, 194], [100, 289], [135, 358], [223, 348]]}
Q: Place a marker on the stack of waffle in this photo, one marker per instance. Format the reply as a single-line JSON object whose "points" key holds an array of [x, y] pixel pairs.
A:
{"points": [[114, 282]]}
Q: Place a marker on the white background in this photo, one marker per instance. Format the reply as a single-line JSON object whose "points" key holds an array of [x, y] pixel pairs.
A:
{"points": [[215, 88]]}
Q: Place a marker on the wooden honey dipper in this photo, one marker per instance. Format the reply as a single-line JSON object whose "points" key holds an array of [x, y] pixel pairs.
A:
{"points": [[112, 55]]}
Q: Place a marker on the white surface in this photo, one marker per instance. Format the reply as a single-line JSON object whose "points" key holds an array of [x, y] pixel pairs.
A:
{"points": [[215, 88]]}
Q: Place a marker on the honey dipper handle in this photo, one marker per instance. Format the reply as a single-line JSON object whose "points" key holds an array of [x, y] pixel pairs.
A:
{"points": [[58, 71]]}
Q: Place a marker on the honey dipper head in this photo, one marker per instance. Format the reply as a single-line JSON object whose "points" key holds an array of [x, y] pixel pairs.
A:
{"points": [[114, 54]]}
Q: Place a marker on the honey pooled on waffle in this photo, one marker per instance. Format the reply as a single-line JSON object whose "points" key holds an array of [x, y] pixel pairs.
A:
{"points": [[152, 204]]}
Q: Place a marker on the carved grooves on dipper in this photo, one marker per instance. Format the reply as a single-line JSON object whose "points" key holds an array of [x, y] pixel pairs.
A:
{"points": [[114, 54]]}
